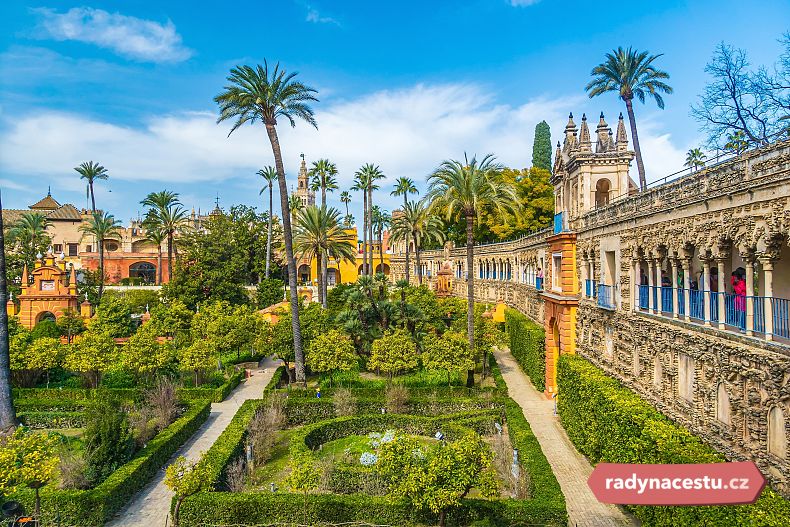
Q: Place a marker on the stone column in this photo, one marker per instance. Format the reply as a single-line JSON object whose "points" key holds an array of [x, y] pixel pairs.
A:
{"points": [[675, 266], [722, 289], [686, 263], [635, 283], [651, 276], [705, 288], [585, 274], [748, 261], [768, 277]]}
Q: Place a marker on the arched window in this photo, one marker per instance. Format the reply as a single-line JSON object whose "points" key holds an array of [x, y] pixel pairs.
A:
{"points": [[658, 373], [145, 271], [602, 192], [44, 316], [304, 273], [722, 404], [777, 437]]}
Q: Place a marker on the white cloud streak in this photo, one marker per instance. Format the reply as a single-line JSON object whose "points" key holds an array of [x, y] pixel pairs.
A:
{"points": [[128, 36], [314, 16], [523, 3]]}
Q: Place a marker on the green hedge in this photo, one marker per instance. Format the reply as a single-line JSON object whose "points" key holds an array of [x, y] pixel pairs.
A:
{"points": [[527, 344], [89, 508], [608, 422], [215, 395], [52, 419]]}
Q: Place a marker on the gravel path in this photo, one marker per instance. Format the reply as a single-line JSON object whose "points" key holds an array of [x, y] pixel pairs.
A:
{"points": [[151, 506], [571, 468]]}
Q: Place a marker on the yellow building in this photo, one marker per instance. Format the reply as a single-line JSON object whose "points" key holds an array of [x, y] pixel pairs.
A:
{"points": [[345, 271]]}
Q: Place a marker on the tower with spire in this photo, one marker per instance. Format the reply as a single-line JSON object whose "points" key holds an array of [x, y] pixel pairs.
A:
{"points": [[306, 195], [586, 177]]}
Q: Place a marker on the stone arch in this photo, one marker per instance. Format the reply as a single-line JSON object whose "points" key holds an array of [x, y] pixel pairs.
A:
{"points": [[385, 269], [777, 435], [46, 315], [722, 404], [602, 187], [332, 276], [145, 271], [304, 274]]}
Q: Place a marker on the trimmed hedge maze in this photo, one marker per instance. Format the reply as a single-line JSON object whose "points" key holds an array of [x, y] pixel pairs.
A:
{"points": [[312, 423]]}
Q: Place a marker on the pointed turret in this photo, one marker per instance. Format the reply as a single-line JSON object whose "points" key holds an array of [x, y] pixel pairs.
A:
{"points": [[570, 134], [557, 161], [73, 281], [602, 135], [584, 136], [25, 279], [622, 139]]}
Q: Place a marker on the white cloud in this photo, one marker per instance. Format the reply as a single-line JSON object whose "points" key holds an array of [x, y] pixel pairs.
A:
{"points": [[407, 132], [135, 38], [523, 3], [313, 15]]}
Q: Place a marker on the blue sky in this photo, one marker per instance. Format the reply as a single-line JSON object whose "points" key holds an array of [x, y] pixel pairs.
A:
{"points": [[401, 84]]}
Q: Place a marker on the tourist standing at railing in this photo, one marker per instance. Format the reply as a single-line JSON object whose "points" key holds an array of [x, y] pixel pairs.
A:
{"points": [[665, 281], [643, 280], [714, 280], [539, 279], [739, 288]]}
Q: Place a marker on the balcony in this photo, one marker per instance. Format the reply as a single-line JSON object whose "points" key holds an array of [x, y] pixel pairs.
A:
{"points": [[559, 222], [605, 295], [591, 288]]}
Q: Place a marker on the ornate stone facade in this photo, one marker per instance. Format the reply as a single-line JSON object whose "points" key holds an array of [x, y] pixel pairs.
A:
{"points": [[655, 277]]}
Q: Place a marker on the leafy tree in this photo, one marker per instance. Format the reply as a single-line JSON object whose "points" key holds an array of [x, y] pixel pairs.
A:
{"points": [[29, 358], [449, 352], [7, 413], [199, 356], [259, 94], [464, 189], [108, 440], [269, 174], [138, 300], [27, 459], [70, 324], [331, 351], [174, 320], [229, 328], [88, 283], [91, 171], [695, 158], [541, 146], [631, 73], [143, 354], [270, 291], [166, 215], [28, 236], [185, 479], [314, 321], [45, 328], [394, 352], [755, 104], [103, 227], [43, 354], [113, 317], [91, 355]]}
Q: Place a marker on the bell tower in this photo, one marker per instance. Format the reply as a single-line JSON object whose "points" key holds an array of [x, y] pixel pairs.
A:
{"points": [[306, 195]]}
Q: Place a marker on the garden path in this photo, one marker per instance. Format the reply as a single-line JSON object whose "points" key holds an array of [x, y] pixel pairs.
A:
{"points": [[570, 467], [151, 506]]}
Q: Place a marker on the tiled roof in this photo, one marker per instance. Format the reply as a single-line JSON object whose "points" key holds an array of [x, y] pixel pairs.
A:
{"points": [[46, 203], [65, 212], [11, 216]]}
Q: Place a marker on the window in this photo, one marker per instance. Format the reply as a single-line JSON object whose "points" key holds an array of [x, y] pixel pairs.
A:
{"points": [[72, 249], [556, 272], [57, 248], [685, 377], [88, 248]]}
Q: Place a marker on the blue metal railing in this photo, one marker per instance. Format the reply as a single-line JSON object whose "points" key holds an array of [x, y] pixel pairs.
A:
{"points": [[605, 296], [656, 293], [758, 303], [681, 302], [590, 290], [559, 222], [644, 297], [714, 306], [781, 318], [735, 310], [539, 283], [697, 304], [666, 300]]}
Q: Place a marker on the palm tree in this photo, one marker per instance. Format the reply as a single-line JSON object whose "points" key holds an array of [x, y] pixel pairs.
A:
{"points": [[348, 220], [361, 185], [465, 188], [295, 205], [102, 226], [323, 177], [403, 187], [418, 225], [156, 235], [381, 221], [695, 158], [365, 180], [345, 199], [319, 234], [29, 234], [630, 73], [165, 213], [92, 171], [266, 95], [7, 413], [736, 142], [269, 174]]}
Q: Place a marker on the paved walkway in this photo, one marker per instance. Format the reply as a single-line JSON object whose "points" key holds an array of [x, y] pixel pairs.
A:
{"points": [[571, 468], [151, 506]]}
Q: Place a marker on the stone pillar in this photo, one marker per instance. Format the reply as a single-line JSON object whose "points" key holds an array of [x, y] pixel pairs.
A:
{"points": [[635, 283], [686, 263], [705, 288], [768, 277], [749, 263], [585, 275], [722, 290], [651, 293], [674, 284]]}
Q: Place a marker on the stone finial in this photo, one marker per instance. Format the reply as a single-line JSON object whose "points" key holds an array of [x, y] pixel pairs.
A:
{"points": [[584, 136], [570, 134], [622, 138], [25, 279], [602, 136]]}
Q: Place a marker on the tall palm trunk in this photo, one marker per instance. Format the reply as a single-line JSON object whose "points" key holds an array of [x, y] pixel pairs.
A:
{"points": [[417, 260], [289, 254], [169, 256], [371, 271], [7, 413], [101, 268], [381, 251], [324, 279], [319, 267], [470, 293], [364, 231], [269, 232], [640, 166], [159, 264], [93, 198], [405, 202]]}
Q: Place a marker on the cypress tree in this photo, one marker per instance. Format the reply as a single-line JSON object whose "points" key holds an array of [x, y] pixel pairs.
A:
{"points": [[541, 148]]}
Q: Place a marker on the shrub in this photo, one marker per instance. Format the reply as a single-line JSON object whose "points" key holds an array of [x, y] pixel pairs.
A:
{"points": [[527, 344], [45, 328], [269, 292], [344, 402], [609, 423], [236, 475], [72, 471], [161, 399], [393, 353], [262, 432], [396, 398], [108, 442]]}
